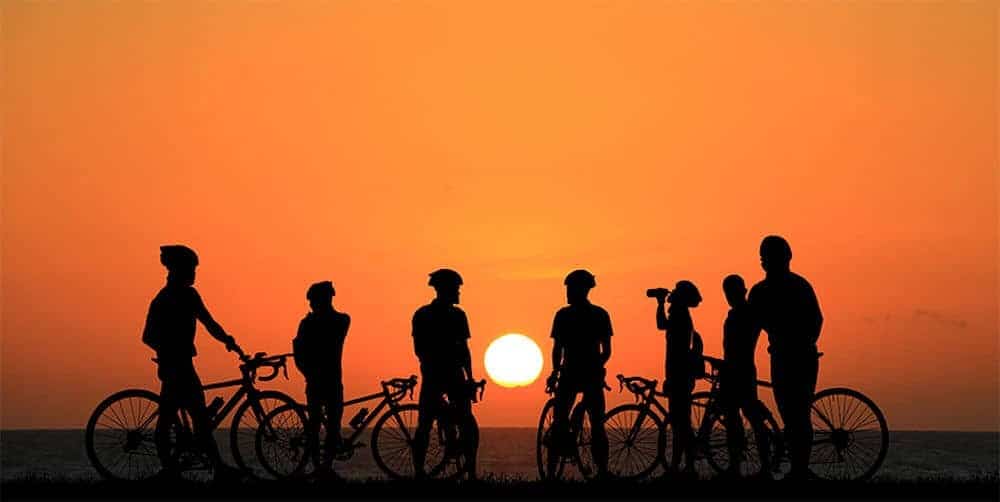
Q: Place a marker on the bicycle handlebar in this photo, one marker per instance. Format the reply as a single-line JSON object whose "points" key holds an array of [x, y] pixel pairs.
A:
{"points": [[636, 384], [400, 386], [277, 362]]}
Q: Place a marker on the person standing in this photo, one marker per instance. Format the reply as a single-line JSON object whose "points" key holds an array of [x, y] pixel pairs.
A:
{"points": [[581, 332], [169, 330], [786, 307], [738, 378], [318, 348], [441, 343], [680, 367]]}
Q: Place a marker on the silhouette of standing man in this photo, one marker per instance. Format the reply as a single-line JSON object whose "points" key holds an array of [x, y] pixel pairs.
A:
{"points": [[319, 348], [738, 379], [441, 342], [170, 328], [786, 307], [582, 346]]}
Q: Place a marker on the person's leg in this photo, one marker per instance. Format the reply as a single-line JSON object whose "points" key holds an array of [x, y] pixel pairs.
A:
{"points": [[334, 404], [787, 395], [558, 437], [468, 429], [201, 422], [804, 390], [594, 399], [680, 421], [735, 439], [167, 415], [755, 413], [314, 417], [428, 406]]}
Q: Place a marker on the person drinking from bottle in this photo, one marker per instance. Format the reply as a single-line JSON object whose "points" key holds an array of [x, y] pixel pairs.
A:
{"points": [[680, 367], [169, 330], [318, 348], [581, 332]]}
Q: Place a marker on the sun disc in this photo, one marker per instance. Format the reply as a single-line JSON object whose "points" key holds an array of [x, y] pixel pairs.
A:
{"points": [[513, 360]]}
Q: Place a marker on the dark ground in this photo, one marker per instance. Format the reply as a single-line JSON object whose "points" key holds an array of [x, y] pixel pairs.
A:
{"points": [[982, 488]]}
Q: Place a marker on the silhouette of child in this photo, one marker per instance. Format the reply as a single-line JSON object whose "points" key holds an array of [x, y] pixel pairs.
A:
{"points": [[680, 368]]}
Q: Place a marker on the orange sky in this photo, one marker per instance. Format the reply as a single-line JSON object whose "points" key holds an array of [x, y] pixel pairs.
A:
{"points": [[370, 142]]}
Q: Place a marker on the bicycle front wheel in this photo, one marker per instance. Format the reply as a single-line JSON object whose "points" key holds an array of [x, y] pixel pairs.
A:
{"points": [[120, 436], [636, 441], [243, 431], [392, 446], [281, 442], [850, 435], [550, 464]]}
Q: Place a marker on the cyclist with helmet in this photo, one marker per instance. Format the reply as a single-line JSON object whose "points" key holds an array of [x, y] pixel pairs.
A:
{"points": [[169, 330], [318, 349], [683, 343], [441, 343], [786, 307], [581, 333]]}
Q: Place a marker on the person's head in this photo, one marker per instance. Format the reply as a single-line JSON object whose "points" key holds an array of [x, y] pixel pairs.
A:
{"points": [[775, 254], [180, 262], [685, 294], [320, 295], [578, 285], [735, 290], [446, 283]]}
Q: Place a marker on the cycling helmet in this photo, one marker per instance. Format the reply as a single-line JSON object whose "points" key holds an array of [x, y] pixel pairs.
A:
{"points": [[444, 277], [177, 256], [580, 277], [320, 291]]}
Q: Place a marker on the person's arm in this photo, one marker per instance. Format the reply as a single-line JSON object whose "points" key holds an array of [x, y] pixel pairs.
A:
{"points": [[557, 348], [605, 344], [466, 353], [815, 319], [300, 353], [150, 331], [661, 315], [419, 338], [213, 328]]}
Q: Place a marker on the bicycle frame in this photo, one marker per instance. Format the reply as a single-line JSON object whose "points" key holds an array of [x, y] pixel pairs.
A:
{"points": [[387, 401]]}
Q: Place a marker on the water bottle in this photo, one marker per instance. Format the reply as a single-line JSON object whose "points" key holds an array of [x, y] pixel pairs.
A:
{"points": [[356, 422], [215, 406]]}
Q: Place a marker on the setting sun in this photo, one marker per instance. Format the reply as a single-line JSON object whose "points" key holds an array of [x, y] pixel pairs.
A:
{"points": [[513, 360]]}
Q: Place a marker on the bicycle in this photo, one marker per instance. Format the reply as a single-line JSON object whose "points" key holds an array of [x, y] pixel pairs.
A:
{"points": [[286, 454], [120, 434], [576, 454], [850, 440]]}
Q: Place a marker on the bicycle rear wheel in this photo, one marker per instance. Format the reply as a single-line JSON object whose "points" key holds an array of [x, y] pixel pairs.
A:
{"points": [[120, 436], [281, 443], [850, 435], [636, 441]]}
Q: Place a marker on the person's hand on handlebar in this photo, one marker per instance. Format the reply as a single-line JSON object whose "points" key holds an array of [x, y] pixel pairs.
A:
{"points": [[232, 346]]}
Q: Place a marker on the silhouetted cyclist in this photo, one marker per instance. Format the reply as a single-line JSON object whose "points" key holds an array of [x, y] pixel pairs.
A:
{"points": [[318, 348], [738, 378], [786, 307], [440, 340], [680, 368], [582, 346], [170, 328]]}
